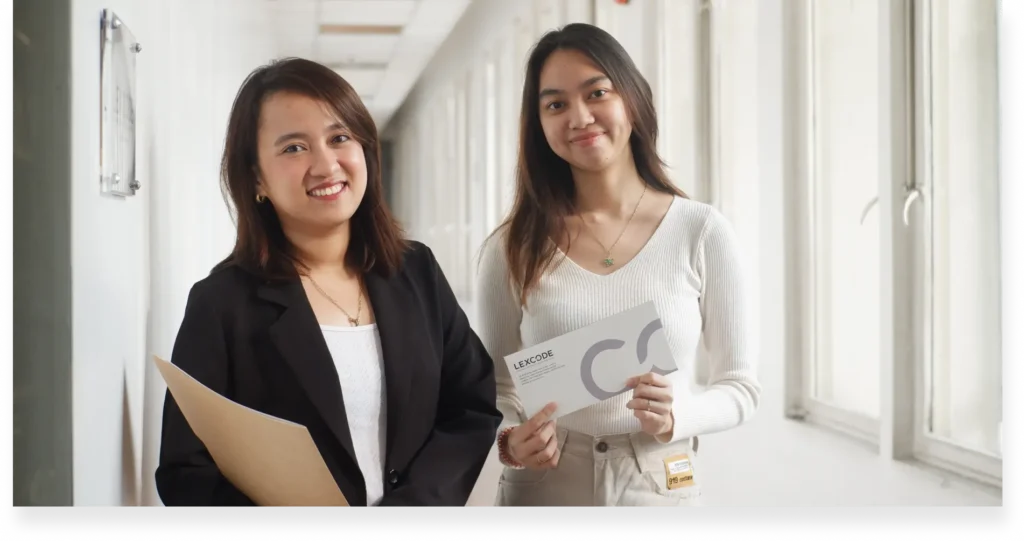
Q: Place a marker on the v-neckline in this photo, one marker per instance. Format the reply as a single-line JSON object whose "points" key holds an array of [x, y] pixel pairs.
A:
{"points": [[643, 249]]}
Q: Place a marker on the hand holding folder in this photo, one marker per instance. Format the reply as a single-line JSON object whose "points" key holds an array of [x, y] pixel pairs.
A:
{"points": [[273, 461]]}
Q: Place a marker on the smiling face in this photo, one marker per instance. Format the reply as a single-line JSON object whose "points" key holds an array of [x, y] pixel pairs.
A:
{"points": [[310, 166], [583, 116]]}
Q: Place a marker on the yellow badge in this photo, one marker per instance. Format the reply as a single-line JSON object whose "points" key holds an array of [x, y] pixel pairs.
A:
{"points": [[678, 472]]}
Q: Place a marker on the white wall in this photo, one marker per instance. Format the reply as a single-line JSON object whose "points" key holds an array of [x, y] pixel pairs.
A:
{"points": [[134, 259]]}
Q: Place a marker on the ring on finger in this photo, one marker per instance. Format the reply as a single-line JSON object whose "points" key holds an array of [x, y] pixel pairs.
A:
{"points": [[648, 404]]}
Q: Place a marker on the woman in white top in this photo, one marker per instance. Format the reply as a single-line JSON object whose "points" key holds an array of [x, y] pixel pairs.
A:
{"points": [[598, 228]]}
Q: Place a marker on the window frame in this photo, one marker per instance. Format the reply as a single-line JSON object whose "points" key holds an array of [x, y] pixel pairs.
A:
{"points": [[899, 432], [929, 449], [800, 344]]}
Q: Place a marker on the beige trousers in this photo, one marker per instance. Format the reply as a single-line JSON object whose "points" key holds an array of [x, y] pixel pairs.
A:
{"points": [[619, 470]]}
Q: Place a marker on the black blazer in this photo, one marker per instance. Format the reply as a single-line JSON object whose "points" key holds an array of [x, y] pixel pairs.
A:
{"points": [[259, 344]]}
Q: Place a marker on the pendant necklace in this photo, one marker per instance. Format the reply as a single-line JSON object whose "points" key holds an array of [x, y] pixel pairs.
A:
{"points": [[353, 321], [608, 260]]}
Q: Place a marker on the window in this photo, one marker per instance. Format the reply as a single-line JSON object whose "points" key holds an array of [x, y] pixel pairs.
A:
{"points": [[843, 368], [958, 222], [896, 227]]}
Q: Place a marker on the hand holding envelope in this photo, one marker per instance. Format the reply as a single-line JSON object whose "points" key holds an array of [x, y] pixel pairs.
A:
{"points": [[533, 443], [597, 362], [652, 403]]}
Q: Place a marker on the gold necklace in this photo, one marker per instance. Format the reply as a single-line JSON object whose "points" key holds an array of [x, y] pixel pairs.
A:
{"points": [[608, 260], [353, 321]]}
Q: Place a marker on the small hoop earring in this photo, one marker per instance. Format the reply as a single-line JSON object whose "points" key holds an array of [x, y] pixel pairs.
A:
{"points": [[260, 198]]}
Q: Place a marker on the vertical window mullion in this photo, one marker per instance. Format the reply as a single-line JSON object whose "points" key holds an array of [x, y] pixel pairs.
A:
{"points": [[898, 280]]}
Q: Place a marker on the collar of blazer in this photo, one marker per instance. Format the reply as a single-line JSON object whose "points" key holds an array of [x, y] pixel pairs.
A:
{"points": [[403, 331]]}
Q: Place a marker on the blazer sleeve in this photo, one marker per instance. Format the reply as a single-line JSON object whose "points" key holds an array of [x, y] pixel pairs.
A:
{"points": [[447, 467], [186, 473]]}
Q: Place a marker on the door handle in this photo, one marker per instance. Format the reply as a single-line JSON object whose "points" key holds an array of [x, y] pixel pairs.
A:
{"points": [[912, 196], [864, 213]]}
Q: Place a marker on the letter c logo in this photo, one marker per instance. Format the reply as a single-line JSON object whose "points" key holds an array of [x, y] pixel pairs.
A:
{"points": [[643, 341], [587, 368], [587, 364]]}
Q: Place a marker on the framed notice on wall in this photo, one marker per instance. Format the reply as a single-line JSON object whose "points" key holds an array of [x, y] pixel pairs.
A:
{"points": [[117, 107]]}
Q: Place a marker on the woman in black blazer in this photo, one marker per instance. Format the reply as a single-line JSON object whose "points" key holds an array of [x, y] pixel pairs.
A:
{"points": [[324, 315]]}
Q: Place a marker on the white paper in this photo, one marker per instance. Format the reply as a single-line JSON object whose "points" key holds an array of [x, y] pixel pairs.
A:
{"points": [[592, 364]]}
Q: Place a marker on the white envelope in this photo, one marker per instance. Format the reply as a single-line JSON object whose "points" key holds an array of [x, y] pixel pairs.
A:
{"points": [[589, 365]]}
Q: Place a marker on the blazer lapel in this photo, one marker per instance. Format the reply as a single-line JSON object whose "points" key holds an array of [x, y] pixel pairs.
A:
{"points": [[298, 338], [400, 324]]}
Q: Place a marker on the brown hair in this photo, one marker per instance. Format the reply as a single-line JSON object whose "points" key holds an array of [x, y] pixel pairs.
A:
{"points": [[545, 192], [377, 241]]}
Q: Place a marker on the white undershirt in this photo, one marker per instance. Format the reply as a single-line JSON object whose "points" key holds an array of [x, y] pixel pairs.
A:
{"points": [[692, 269], [357, 355]]}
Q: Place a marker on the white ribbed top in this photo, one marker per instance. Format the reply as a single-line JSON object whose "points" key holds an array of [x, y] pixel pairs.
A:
{"points": [[691, 268], [358, 357]]}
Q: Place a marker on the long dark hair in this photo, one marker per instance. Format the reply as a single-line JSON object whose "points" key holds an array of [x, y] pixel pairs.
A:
{"points": [[545, 192], [377, 241]]}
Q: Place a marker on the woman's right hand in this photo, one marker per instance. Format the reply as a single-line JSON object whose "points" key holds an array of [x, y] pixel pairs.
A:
{"points": [[533, 443]]}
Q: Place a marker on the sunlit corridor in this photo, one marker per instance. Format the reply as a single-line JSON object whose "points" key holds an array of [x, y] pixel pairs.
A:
{"points": [[858, 148]]}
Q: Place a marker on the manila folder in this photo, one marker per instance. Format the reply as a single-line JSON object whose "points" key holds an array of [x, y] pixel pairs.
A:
{"points": [[271, 460]]}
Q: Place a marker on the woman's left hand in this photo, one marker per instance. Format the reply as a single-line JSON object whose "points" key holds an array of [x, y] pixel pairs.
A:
{"points": [[652, 403]]}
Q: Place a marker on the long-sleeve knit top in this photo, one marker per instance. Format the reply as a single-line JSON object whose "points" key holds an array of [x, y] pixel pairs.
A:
{"points": [[692, 269]]}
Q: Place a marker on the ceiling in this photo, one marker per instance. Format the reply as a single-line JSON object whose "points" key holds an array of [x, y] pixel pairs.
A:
{"points": [[379, 46]]}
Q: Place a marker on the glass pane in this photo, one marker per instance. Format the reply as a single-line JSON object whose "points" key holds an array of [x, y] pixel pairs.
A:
{"points": [[845, 251], [965, 372]]}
